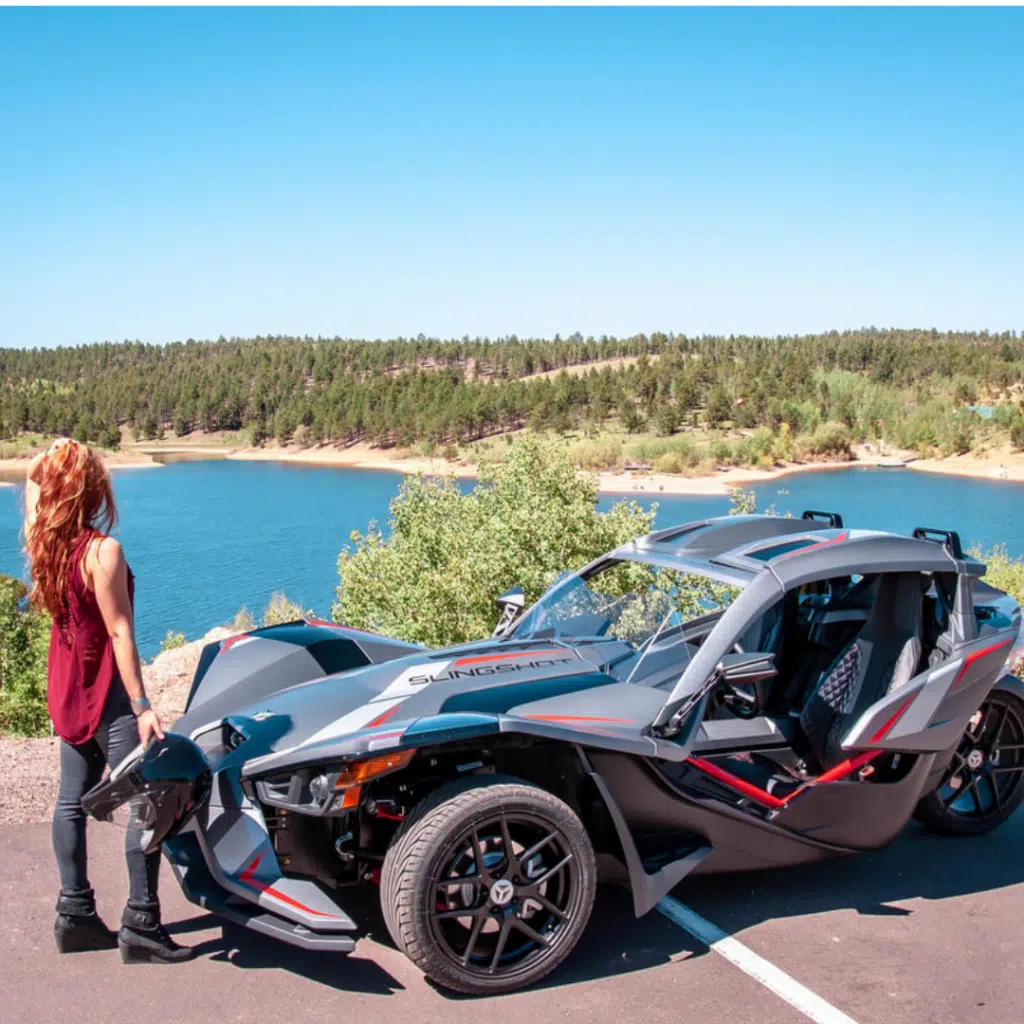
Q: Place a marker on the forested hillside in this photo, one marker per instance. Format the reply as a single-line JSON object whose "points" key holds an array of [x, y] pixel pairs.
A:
{"points": [[907, 386]]}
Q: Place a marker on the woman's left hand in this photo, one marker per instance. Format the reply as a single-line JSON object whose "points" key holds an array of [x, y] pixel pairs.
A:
{"points": [[149, 727]]}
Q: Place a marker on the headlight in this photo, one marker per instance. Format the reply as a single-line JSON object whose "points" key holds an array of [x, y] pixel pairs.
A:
{"points": [[329, 790]]}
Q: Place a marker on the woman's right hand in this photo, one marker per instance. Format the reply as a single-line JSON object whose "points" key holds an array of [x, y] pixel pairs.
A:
{"points": [[149, 727]]}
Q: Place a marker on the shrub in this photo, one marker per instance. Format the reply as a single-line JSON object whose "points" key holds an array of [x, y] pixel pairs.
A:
{"points": [[670, 462], [1017, 433], [831, 439], [595, 455], [280, 609], [302, 436], [243, 621], [172, 641], [449, 554], [24, 643]]}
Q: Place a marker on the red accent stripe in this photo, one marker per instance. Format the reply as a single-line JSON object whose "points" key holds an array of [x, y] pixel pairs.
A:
{"points": [[230, 641], [578, 718], [741, 785], [898, 714], [247, 879], [382, 718], [499, 657], [838, 539], [972, 658]]}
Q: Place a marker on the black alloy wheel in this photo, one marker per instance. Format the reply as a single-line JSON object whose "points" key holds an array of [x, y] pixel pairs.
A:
{"points": [[490, 887], [984, 784]]}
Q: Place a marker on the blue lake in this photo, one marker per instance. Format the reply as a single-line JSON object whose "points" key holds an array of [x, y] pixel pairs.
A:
{"points": [[205, 538]]}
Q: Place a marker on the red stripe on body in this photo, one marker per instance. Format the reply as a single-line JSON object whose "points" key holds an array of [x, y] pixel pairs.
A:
{"points": [[247, 879], [972, 658], [498, 657], [838, 539], [578, 718]]}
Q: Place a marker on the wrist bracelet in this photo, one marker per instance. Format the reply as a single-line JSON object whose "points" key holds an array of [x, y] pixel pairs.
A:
{"points": [[140, 704]]}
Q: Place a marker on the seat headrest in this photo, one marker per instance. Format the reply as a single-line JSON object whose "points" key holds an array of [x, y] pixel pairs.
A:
{"points": [[897, 610]]}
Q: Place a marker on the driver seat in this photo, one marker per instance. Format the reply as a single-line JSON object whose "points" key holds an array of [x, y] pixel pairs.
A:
{"points": [[883, 656]]}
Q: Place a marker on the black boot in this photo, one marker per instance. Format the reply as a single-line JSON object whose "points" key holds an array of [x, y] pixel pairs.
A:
{"points": [[78, 928], [144, 940]]}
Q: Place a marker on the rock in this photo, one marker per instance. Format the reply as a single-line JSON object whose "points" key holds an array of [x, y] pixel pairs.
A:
{"points": [[169, 676]]}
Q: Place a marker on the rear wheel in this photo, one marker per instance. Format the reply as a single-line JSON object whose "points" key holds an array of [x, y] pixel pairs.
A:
{"points": [[984, 784], [488, 885]]}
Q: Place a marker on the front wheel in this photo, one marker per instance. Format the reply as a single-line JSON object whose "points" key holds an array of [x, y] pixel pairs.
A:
{"points": [[488, 885], [984, 783]]}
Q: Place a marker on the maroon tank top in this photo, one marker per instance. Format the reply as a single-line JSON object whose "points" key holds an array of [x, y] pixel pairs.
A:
{"points": [[81, 666]]}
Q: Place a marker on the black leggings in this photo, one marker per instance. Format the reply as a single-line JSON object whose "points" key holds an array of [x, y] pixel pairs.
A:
{"points": [[81, 767]]}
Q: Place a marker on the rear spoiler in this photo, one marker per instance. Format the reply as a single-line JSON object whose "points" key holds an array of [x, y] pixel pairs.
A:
{"points": [[949, 539], [834, 519]]}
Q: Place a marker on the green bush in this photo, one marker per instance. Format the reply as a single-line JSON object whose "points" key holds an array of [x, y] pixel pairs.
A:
{"points": [[435, 578], [24, 643], [243, 621], [670, 462], [172, 641], [596, 455], [280, 609], [830, 439], [1003, 572]]}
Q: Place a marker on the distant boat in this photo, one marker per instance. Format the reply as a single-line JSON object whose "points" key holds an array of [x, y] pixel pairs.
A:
{"points": [[891, 462]]}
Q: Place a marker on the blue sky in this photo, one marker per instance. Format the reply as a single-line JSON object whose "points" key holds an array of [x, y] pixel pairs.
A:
{"points": [[373, 173]]}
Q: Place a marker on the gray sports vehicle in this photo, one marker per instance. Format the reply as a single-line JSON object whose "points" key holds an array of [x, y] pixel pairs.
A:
{"points": [[735, 693]]}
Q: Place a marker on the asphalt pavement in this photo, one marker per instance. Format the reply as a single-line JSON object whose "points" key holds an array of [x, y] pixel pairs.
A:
{"points": [[926, 931]]}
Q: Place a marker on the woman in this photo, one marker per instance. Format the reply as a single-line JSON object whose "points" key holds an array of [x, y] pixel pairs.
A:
{"points": [[94, 689]]}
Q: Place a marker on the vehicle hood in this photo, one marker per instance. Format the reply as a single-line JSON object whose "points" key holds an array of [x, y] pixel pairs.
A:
{"points": [[490, 677]]}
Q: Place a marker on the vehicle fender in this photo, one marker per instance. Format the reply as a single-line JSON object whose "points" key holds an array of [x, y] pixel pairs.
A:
{"points": [[1007, 684], [1011, 684], [647, 887]]}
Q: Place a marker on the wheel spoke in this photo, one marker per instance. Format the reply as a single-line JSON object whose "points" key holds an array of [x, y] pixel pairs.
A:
{"points": [[536, 883], [529, 932], [511, 860], [478, 855], [536, 848], [499, 947], [548, 905], [1007, 768], [1000, 725], [994, 786], [443, 915], [446, 883], [976, 795], [474, 934]]}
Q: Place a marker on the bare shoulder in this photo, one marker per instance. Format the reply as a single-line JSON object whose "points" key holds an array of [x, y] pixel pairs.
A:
{"points": [[105, 554]]}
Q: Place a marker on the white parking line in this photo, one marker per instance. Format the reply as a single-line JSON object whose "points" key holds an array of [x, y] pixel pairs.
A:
{"points": [[787, 988]]}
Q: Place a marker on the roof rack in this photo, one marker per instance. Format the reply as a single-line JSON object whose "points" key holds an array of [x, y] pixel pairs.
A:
{"points": [[949, 539], [834, 519]]}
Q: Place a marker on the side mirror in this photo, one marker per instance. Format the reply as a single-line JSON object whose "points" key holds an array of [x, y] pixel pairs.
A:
{"points": [[511, 605], [751, 667]]}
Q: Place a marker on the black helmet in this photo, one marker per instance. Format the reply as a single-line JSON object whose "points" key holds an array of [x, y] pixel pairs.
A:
{"points": [[162, 786]]}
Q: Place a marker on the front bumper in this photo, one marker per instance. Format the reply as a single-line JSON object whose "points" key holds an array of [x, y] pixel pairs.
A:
{"points": [[189, 863]]}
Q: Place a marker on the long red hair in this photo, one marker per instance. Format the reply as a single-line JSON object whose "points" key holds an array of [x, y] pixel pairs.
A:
{"points": [[75, 495]]}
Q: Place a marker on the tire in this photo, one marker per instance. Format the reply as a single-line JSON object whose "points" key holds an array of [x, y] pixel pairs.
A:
{"points": [[463, 831], [974, 798]]}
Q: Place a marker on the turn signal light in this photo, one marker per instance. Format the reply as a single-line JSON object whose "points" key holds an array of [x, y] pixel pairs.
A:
{"points": [[363, 771]]}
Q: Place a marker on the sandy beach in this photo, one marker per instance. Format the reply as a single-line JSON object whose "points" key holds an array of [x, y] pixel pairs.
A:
{"points": [[1003, 464]]}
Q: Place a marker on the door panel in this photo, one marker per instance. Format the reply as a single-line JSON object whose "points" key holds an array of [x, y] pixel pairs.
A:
{"points": [[931, 712]]}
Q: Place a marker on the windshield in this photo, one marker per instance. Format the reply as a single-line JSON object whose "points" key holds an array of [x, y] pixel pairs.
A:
{"points": [[625, 600]]}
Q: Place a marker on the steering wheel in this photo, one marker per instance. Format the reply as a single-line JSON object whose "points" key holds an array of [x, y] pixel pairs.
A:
{"points": [[742, 701]]}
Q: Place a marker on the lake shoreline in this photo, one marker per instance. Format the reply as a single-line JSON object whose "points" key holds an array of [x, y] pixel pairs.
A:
{"points": [[1006, 466]]}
